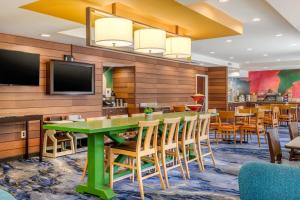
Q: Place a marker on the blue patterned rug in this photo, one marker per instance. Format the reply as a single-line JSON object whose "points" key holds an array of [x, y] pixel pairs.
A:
{"points": [[55, 179]]}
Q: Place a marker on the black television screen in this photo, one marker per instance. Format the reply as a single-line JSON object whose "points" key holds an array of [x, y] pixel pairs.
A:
{"points": [[71, 78], [19, 68]]}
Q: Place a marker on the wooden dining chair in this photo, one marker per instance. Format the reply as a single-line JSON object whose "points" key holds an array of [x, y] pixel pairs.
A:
{"points": [[288, 113], [272, 120], [118, 116], [143, 147], [274, 146], [256, 128], [294, 132], [169, 146], [106, 147], [214, 122], [228, 126], [188, 140], [138, 115], [202, 138]]}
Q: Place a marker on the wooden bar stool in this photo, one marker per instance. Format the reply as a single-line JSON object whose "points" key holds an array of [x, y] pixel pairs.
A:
{"points": [[143, 147], [169, 146], [188, 139], [203, 136]]}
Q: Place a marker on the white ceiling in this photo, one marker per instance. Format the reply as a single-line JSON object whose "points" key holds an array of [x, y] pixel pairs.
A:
{"points": [[277, 16]]}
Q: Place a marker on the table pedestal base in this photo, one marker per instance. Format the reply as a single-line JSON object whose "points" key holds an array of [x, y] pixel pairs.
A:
{"points": [[104, 192]]}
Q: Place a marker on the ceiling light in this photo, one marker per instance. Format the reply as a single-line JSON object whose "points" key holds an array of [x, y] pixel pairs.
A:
{"points": [[278, 60], [223, 1], [249, 49], [231, 57], [212, 52], [256, 19], [279, 35], [45, 35], [265, 55], [247, 62], [294, 44], [178, 47], [113, 32], [228, 41], [150, 40], [266, 67]]}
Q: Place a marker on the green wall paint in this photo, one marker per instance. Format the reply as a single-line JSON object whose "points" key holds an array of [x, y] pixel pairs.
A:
{"points": [[108, 73]]}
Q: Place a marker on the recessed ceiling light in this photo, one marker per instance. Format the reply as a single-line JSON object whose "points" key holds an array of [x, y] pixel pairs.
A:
{"points": [[247, 62], [278, 60], [256, 19], [223, 1], [294, 44], [212, 52], [228, 41], [249, 49], [265, 55], [266, 67], [231, 57], [279, 35], [45, 35]]}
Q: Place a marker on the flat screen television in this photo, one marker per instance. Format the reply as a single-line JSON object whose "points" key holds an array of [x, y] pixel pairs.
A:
{"points": [[71, 78], [19, 68]]}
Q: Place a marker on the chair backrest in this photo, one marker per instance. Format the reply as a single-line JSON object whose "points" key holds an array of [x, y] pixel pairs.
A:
{"points": [[157, 113], [293, 129], [212, 110], [96, 118], [237, 109], [180, 108], [138, 115], [147, 143], [267, 181], [259, 116], [118, 116], [275, 115], [274, 145], [189, 129], [227, 117], [249, 110], [170, 133], [203, 126]]}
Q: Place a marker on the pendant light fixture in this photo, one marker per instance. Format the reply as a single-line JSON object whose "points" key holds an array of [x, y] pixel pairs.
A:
{"points": [[178, 47], [113, 32], [150, 40]]}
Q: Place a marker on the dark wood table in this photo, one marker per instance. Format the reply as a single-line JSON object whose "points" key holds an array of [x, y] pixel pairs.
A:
{"points": [[27, 119]]}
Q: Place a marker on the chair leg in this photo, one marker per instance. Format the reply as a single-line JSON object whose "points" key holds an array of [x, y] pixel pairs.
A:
{"points": [[258, 139], [179, 162], [241, 136], [139, 176], [162, 183], [234, 136], [200, 157], [84, 170], [185, 162], [111, 169], [211, 153], [132, 165], [163, 155]]}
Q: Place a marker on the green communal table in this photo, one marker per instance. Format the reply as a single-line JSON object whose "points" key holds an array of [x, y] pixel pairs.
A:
{"points": [[98, 179]]}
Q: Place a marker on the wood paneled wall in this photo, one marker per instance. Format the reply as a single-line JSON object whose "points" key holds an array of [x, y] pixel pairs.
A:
{"points": [[124, 85], [217, 87], [155, 80], [26, 100], [166, 83]]}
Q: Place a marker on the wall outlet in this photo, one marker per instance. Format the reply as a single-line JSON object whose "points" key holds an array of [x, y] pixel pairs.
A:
{"points": [[23, 134]]}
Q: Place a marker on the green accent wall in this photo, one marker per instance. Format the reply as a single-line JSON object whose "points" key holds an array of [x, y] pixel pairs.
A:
{"points": [[108, 73]]}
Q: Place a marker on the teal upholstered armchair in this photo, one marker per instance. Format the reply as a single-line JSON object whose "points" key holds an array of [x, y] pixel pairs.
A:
{"points": [[264, 181], [5, 195]]}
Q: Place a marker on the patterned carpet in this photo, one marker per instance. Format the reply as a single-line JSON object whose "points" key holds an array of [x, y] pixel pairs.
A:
{"points": [[55, 179]]}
